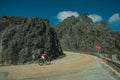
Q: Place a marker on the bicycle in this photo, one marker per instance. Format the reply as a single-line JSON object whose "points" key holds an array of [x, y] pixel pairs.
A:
{"points": [[47, 61]]}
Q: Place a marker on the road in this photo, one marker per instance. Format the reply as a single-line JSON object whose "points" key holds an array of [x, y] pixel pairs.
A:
{"points": [[75, 66]]}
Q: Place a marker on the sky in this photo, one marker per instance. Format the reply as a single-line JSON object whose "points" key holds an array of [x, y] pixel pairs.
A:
{"points": [[57, 10]]}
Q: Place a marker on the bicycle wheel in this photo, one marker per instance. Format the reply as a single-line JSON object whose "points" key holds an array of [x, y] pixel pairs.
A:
{"points": [[40, 62], [48, 60]]}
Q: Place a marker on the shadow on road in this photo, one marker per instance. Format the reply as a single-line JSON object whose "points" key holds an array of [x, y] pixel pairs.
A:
{"points": [[3, 75]]}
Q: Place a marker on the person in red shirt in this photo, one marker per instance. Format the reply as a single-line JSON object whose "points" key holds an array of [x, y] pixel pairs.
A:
{"points": [[44, 56]]}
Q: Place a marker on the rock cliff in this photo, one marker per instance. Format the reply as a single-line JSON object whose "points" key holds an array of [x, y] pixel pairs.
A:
{"points": [[21, 38], [81, 34]]}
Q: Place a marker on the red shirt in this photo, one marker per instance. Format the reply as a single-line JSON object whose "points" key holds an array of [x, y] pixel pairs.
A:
{"points": [[44, 54]]}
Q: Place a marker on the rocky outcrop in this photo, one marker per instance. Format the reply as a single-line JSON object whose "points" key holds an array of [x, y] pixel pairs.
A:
{"points": [[81, 34], [21, 38]]}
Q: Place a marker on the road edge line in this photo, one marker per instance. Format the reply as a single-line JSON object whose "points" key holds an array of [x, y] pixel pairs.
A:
{"points": [[112, 69]]}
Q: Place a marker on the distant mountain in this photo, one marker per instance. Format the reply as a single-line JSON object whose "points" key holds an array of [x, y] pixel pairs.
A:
{"points": [[81, 34], [22, 37]]}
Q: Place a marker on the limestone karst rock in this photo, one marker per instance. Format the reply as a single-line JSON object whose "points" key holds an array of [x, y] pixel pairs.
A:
{"points": [[81, 34], [23, 37]]}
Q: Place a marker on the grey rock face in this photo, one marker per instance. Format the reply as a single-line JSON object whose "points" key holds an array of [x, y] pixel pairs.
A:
{"points": [[81, 34], [22, 38]]}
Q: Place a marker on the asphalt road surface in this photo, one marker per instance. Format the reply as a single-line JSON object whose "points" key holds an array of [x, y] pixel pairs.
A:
{"points": [[75, 66]]}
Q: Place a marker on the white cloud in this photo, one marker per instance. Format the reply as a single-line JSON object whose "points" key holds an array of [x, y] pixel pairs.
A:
{"points": [[114, 19], [95, 17], [64, 14]]}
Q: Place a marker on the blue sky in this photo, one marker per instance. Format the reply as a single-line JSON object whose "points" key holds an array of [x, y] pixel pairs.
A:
{"points": [[58, 10]]}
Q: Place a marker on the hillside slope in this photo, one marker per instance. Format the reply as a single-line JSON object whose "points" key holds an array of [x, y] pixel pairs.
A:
{"points": [[81, 34]]}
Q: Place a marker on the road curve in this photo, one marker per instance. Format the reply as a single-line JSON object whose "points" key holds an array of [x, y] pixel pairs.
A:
{"points": [[74, 66]]}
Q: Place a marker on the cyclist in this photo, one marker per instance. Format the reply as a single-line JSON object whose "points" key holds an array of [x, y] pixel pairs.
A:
{"points": [[44, 57]]}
